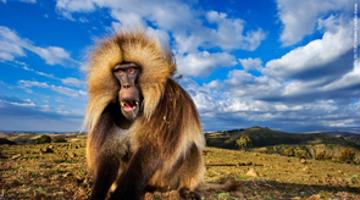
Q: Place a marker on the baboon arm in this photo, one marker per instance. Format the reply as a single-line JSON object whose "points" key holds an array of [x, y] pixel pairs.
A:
{"points": [[105, 176], [143, 164]]}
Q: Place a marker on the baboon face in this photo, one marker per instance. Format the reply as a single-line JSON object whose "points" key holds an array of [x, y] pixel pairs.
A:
{"points": [[127, 75]]}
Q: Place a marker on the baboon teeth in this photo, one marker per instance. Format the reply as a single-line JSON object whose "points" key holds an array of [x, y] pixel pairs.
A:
{"points": [[131, 103]]}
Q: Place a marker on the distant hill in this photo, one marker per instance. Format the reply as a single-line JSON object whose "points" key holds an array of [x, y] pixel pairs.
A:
{"points": [[334, 146]]}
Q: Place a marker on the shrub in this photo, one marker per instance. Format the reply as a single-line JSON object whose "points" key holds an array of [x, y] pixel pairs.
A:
{"points": [[347, 155], [43, 139], [289, 151], [58, 139], [244, 142]]}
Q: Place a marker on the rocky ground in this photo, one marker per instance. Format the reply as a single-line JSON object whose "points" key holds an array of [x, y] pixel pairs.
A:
{"points": [[57, 170]]}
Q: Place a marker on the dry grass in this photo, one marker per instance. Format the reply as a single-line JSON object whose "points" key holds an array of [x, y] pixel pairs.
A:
{"points": [[58, 171]]}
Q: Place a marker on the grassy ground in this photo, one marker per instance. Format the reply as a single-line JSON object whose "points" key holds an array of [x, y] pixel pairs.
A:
{"points": [[58, 171]]}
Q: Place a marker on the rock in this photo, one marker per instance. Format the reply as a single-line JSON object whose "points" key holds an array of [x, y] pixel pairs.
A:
{"points": [[303, 160], [67, 174], [72, 155], [48, 149], [16, 156], [305, 169], [314, 197], [252, 173]]}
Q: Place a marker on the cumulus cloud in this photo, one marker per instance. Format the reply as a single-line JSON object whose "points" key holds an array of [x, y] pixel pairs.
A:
{"points": [[322, 69], [202, 63], [317, 54], [240, 77], [302, 90], [178, 23], [174, 16], [12, 46], [300, 17], [251, 64], [222, 108], [348, 80], [229, 33]]}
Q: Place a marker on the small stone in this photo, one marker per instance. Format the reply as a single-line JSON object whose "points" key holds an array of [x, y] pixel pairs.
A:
{"points": [[305, 169], [16, 156], [252, 173], [47, 149], [72, 155], [314, 197], [303, 160], [67, 174]]}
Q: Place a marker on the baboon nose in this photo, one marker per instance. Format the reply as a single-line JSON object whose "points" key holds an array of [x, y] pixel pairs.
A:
{"points": [[126, 86]]}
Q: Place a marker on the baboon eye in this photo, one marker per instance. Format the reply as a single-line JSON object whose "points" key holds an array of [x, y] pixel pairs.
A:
{"points": [[120, 72], [131, 70]]}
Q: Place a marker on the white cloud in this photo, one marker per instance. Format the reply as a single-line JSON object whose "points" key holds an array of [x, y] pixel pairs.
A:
{"points": [[26, 67], [9, 45], [52, 55], [349, 79], [28, 103], [221, 108], [215, 84], [187, 43], [239, 77], [26, 84], [128, 20], [203, 62], [67, 91], [300, 17], [336, 41], [230, 32], [178, 23], [251, 64], [12, 46], [71, 81], [160, 35], [29, 84], [75, 5], [168, 15], [204, 40], [240, 84]]}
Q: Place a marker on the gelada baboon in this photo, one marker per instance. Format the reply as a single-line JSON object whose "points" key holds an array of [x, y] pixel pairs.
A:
{"points": [[144, 130]]}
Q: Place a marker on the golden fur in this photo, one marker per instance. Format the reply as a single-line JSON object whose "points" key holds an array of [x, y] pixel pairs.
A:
{"points": [[169, 119]]}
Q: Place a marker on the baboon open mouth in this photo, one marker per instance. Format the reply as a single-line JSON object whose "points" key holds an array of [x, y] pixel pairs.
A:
{"points": [[129, 105]]}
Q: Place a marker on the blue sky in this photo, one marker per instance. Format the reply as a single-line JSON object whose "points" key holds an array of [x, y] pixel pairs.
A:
{"points": [[287, 65]]}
